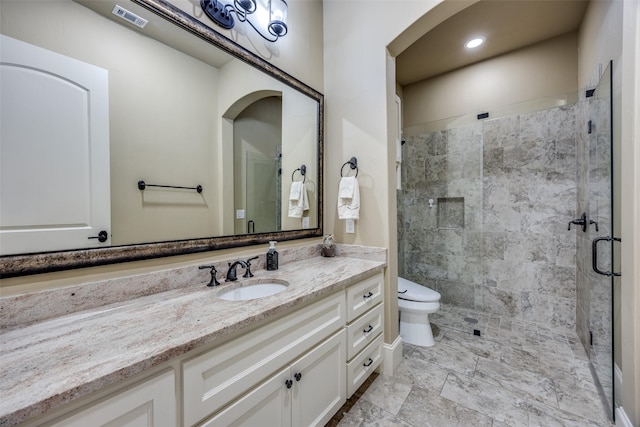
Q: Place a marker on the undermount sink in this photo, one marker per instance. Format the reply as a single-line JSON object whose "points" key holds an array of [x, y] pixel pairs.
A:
{"points": [[253, 290]]}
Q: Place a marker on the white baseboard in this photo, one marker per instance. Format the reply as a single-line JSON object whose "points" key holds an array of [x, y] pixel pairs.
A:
{"points": [[392, 356], [617, 384], [621, 418]]}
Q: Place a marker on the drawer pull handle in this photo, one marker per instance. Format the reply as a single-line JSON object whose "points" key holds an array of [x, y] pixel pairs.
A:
{"points": [[297, 376], [369, 363], [369, 295], [288, 383], [369, 329]]}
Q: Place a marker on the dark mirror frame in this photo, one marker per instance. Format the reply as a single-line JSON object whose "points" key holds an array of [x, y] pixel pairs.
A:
{"points": [[25, 264]]}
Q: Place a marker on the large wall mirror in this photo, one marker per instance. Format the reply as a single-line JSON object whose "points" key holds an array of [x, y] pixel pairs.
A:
{"points": [[203, 140]]}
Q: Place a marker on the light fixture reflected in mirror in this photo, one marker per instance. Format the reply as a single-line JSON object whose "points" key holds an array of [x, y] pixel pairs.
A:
{"points": [[267, 17]]}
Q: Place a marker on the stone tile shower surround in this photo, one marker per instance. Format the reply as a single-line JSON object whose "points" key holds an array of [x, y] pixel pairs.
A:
{"points": [[510, 253]]}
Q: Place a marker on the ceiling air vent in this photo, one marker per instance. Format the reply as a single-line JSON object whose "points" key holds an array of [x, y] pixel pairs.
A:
{"points": [[129, 16]]}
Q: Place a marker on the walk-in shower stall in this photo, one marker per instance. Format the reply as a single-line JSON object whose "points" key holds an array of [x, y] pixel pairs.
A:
{"points": [[490, 211]]}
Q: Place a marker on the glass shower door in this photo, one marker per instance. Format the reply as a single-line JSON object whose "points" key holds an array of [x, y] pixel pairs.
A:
{"points": [[601, 310]]}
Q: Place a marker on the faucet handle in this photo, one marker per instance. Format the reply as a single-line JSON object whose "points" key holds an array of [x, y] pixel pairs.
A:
{"points": [[582, 221], [214, 280], [247, 271]]}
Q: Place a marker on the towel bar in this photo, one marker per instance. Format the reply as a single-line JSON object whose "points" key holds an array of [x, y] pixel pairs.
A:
{"points": [[142, 185]]}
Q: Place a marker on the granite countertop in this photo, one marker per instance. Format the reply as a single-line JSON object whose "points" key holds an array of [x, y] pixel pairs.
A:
{"points": [[53, 362]]}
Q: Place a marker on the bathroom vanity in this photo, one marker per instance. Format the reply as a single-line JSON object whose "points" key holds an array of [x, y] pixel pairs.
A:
{"points": [[184, 356]]}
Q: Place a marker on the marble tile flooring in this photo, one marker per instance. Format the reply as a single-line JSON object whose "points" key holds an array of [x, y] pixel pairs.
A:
{"points": [[514, 374]]}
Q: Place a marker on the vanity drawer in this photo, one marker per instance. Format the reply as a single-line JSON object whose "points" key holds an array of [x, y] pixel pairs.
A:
{"points": [[364, 330], [218, 376], [359, 369], [364, 295]]}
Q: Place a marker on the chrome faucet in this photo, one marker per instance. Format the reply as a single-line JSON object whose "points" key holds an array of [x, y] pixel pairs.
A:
{"points": [[231, 273]]}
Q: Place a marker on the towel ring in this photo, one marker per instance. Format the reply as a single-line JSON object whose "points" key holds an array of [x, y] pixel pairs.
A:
{"points": [[353, 164], [303, 172]]}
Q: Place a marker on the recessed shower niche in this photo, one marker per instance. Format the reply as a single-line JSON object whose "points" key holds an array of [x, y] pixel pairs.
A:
{"points": [[450, 212]]}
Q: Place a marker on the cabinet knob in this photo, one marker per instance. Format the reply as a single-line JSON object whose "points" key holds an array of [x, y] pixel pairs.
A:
{"points": [[369, 329], [288, 383], [369, 363], [369, 295], [297, 376]]}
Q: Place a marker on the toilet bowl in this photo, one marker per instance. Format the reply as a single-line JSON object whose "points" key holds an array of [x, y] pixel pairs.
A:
{"points": [[415, 303]]}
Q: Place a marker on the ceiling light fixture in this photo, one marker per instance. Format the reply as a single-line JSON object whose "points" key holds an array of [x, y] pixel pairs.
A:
{"points": [[267, 17], [474, 42]]}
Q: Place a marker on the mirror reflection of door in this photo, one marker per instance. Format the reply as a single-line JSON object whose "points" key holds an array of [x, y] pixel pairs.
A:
{"points": [[257, 137], [263, 197]]}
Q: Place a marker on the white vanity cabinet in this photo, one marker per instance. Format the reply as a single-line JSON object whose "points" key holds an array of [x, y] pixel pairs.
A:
{"points": [[364, 330], [150, 403], [247, 377], [306, 393]]}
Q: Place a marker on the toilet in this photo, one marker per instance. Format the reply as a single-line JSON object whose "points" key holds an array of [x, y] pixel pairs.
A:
{"points": [[415, 303]]}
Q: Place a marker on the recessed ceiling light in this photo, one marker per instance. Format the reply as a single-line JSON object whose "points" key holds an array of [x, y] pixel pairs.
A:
{"points": [[474, 42]]}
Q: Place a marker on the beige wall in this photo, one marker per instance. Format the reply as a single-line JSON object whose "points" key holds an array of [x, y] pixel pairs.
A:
{"points": [[610, 32], [544, 71], [359, 89]]}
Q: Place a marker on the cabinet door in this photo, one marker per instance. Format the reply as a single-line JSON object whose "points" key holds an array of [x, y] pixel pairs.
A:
{"points": [[267, 405], [217, 377], [151, 403], [319, 378]]}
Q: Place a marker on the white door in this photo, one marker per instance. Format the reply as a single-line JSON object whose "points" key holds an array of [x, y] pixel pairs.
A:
{"points": [[262, 193], [54, 151]]}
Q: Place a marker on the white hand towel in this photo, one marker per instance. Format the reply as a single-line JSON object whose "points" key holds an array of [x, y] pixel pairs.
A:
{"points": [[349, 207], [294, 192], [347, 187], [300, 204], [305, 198]]}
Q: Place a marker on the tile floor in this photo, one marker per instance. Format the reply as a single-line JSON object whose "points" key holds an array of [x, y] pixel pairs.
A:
{"points": [[514, 374]]}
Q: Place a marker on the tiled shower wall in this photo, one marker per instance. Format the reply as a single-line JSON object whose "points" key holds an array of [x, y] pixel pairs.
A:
{"points": [[510, 184]]}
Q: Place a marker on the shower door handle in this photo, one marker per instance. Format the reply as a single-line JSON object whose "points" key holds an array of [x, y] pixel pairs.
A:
{"points": [[594, 255]]}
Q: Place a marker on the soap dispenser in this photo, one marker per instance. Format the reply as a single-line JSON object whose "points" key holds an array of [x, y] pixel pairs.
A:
{"points": [[272, 257]]}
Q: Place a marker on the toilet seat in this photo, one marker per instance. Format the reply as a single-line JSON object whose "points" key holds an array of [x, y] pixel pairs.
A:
{"points": [[410, 291], [417, 306]]}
